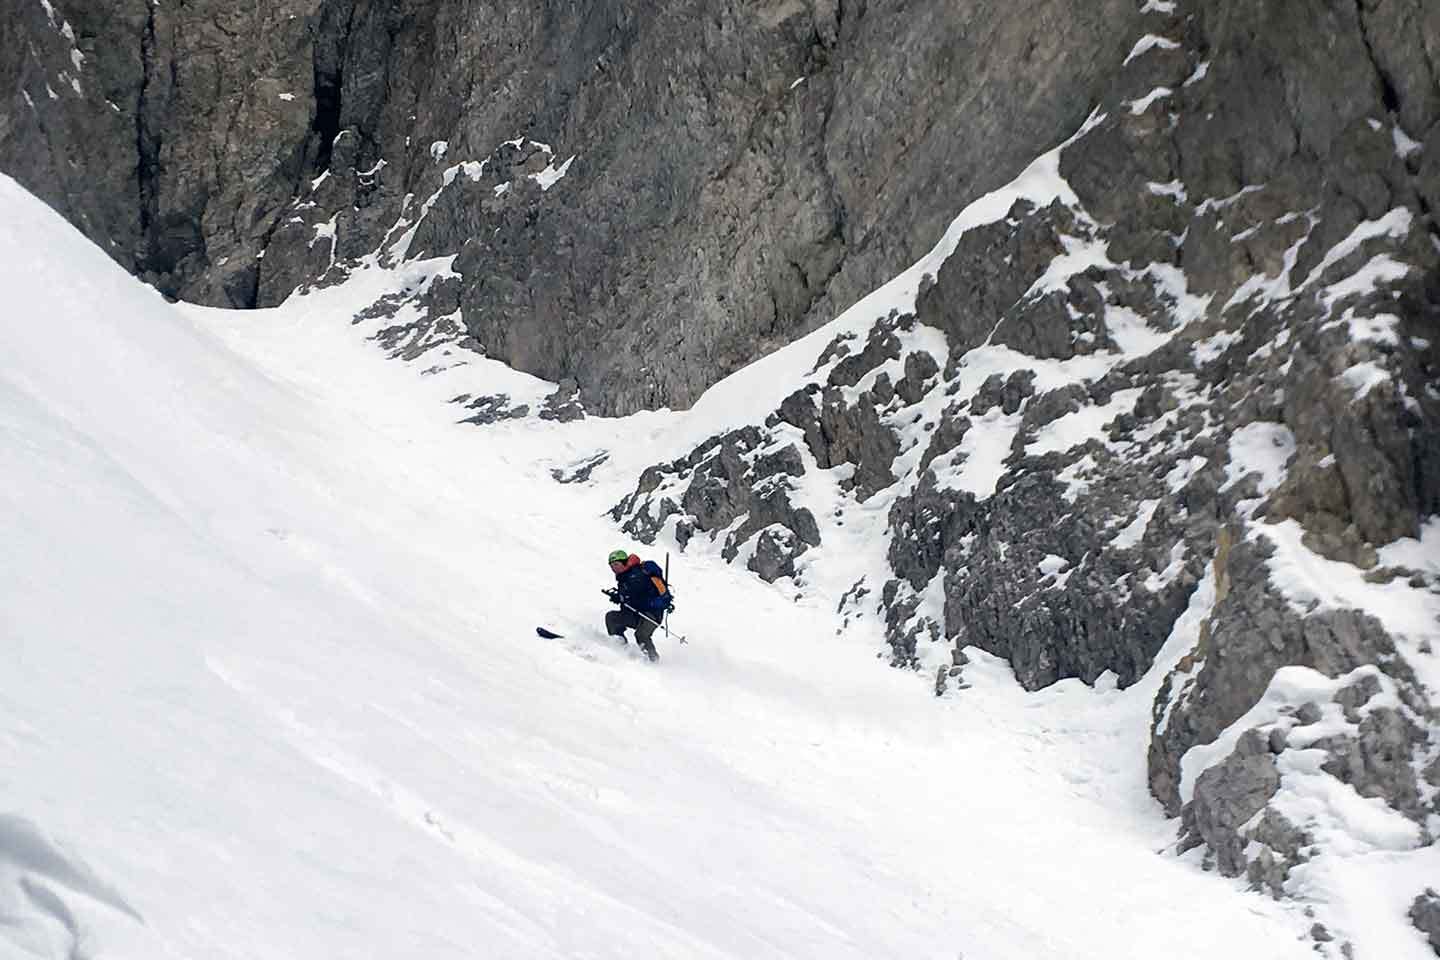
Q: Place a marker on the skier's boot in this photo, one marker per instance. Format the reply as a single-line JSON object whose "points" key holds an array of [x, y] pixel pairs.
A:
{"points": [[649, 647]]}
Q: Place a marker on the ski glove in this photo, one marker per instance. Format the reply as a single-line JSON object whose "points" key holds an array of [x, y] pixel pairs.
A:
{"points": [[614, 596]]}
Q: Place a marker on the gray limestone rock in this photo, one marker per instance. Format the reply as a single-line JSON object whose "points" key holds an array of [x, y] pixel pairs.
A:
{"points": [[949, 434], [738, 176], [977, 288], [738, 482], [579, 472], [490, 409], [1425, 914], [1006, 392], [838, 432], [1378, 762], [920, 367], [776, 548], [1230, 190], [1281, 846], [564, 404], [1227, 796], [1251, 633], [903, 628], [882, 345]]}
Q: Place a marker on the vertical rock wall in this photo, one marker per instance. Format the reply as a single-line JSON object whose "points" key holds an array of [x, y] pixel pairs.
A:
{"points": [[740, 172]]}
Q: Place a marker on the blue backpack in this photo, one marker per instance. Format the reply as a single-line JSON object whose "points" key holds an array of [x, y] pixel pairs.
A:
{"points": [[664, 600]]}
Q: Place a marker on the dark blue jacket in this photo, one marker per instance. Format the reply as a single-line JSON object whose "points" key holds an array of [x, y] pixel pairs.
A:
{"points": [[642, 586]]}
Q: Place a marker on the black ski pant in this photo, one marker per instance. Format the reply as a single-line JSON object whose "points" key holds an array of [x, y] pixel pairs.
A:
{"points": [[618, 621]]}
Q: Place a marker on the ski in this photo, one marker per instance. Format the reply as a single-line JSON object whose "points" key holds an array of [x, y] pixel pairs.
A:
{"points": [[552, 635]]}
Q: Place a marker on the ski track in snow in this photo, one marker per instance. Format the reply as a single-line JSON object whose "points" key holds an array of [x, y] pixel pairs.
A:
{"points": [[272, 683]]}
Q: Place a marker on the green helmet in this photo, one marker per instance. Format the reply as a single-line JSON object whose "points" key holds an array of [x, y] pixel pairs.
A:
{"points": [[619, 556]]}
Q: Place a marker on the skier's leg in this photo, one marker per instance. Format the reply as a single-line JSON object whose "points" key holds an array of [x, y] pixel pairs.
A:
{"points": [[616, 621], [644, 631]]}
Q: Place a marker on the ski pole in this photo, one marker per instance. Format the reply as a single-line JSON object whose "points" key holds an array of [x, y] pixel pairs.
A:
{"points": [[651, 620], [645, 618], [665, 617]]}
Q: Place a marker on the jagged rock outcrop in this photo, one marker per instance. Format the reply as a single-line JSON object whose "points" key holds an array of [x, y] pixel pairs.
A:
{"points": [[732, 174], [564, 404], [1188, 401], [1227, 798], [1425, 914], [1251, 633], [738, 484]]}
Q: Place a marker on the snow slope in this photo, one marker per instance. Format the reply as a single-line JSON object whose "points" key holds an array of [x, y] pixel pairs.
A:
{"points": [[271, 688]]}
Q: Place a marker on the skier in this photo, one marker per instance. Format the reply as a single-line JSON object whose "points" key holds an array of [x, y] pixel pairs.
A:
{"points": [[644, 599]]}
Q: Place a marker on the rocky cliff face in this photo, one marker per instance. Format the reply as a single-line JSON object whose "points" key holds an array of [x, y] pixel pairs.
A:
{"points": [[1168, 401], [732, 173]]}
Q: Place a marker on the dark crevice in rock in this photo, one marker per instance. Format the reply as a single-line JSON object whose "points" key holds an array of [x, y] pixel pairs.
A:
{"points": [[1427, 214], [837, 195], [327, 115], [253, 300], [246, 290], [1388, 94], [147, 141], [329, 86]]}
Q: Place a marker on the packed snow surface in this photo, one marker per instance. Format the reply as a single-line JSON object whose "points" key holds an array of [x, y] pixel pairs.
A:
{"points": [[272, 688]]}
